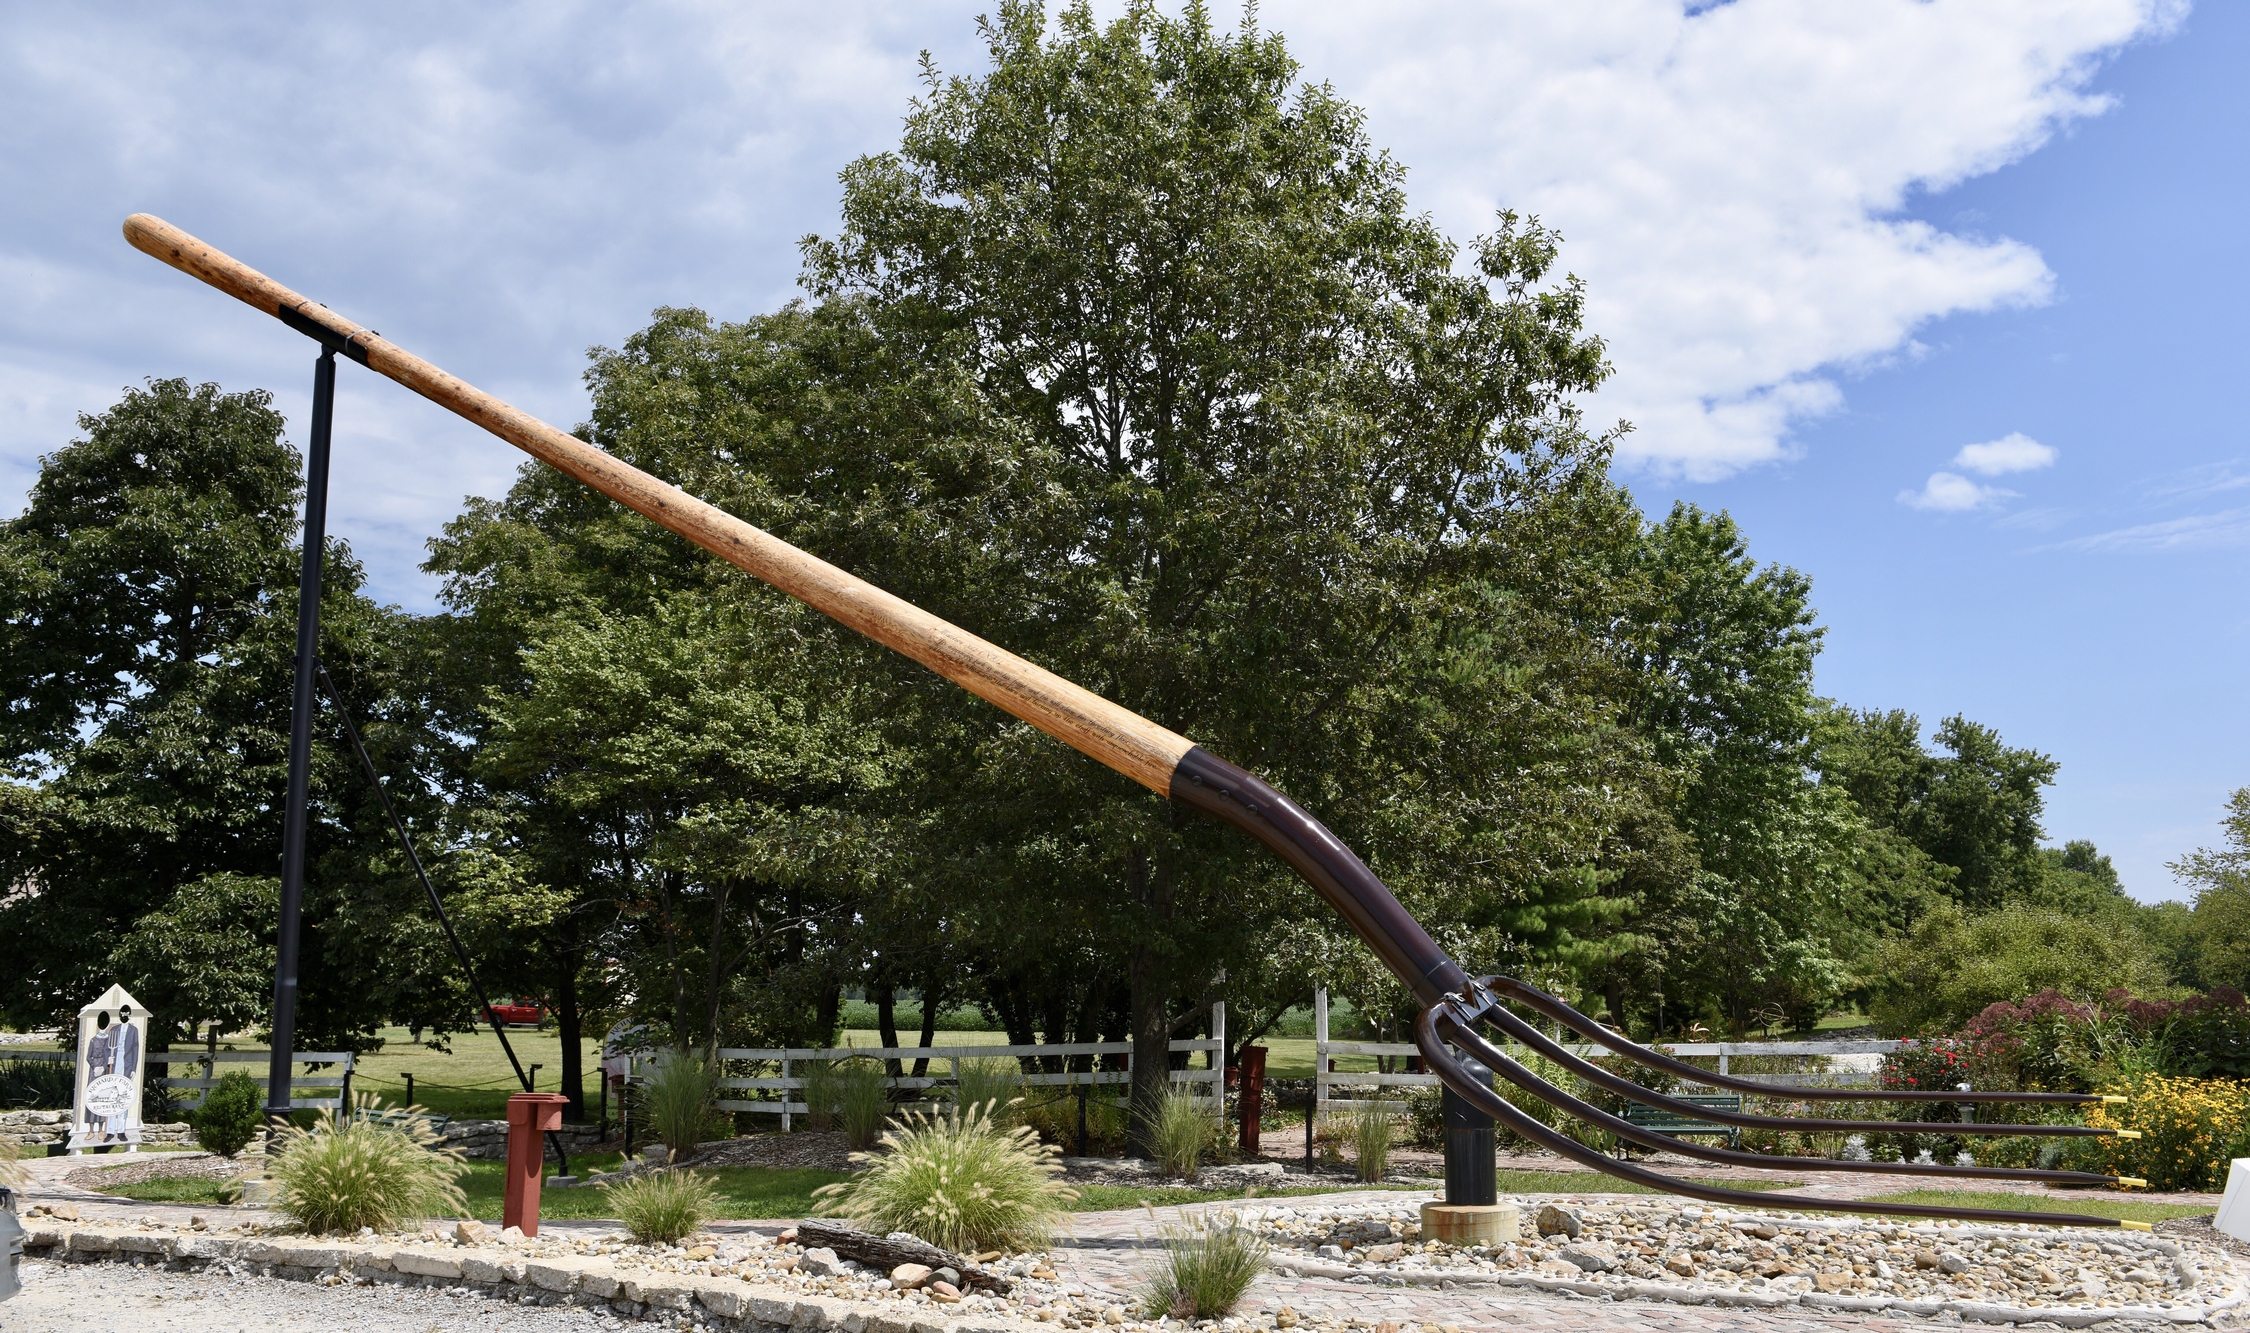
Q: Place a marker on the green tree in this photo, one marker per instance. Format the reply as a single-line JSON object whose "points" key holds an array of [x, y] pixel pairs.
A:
{"points": [[1952, 964], [1740, 923], [1974, 809], [2220, 927], [147, 609], [1273, 450], [206, 956]]}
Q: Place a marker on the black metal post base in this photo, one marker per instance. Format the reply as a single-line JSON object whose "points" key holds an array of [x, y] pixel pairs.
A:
{"points": [[1471, 1149]]}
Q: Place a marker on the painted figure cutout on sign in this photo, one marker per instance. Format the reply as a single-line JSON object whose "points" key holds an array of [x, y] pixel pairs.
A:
{"points": [[112, 1034]]}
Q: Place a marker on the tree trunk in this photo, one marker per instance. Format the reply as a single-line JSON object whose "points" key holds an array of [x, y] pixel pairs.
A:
{"points": [[886, 1021], [886, 1254], [1149, 972], [932, 997], [569, 1026], [831, 1002]]}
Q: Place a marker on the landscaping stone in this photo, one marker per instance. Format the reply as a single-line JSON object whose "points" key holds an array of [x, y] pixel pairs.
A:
{"points": [[1555, 1220]]}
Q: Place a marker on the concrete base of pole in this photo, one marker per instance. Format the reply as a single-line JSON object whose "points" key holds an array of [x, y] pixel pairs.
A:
{"points": [[1471, 1223]]}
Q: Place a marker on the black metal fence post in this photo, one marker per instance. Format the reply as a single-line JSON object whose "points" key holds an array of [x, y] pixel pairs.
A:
{"points": [[280, 1071]]}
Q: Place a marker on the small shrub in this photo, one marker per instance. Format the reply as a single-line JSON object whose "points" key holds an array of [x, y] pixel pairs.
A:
{"points": [[959, 1181], [351, 1171], [663, 1207], [1208, 1266], [37, 1085], [863, 1101], [997, 1084], [1181, 1131], [677, 1101], [820, 1095], [2190, 1130], [1373, 1130], [1425, 1117], [230, 1114]]}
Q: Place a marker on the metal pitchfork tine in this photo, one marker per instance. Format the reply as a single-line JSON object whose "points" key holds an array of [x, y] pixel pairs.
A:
{"points": [[1172, 766]]}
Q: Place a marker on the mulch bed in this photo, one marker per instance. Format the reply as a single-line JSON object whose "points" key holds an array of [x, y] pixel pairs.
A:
{"points": [[822, 1152], [201, 1166]]}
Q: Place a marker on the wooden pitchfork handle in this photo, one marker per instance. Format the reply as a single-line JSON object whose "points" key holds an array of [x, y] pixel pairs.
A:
{"points": [[1165, 762]]}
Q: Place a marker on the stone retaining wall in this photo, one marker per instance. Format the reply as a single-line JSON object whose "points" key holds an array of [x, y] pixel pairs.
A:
{"points": [[487, 1140], [714, 1303], [36, 1129]]}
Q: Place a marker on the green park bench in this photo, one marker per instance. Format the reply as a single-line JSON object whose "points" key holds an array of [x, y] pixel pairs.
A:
{"points": [[395, 1118], [1675, 1124]]}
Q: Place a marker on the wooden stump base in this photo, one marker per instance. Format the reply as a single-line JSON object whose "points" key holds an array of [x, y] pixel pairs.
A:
{"points": [[1471, 1224]]}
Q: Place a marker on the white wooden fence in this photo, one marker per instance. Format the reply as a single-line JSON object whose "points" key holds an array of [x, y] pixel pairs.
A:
{"points": [[790, 1081], [1324, 1049], [261, 1060]]}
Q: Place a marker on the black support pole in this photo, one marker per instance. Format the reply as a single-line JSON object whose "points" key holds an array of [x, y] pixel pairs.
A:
{"points": [[1471, 1161], [281, 1073]]}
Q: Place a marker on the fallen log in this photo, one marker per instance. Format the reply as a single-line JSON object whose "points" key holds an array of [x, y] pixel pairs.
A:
{"points": [[884, 1253]]}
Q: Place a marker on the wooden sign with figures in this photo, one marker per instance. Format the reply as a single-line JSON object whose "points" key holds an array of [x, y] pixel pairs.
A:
{"points": [[112, 1039]]}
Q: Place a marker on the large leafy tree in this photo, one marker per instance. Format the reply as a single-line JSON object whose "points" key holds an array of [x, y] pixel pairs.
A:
{"points": [[2215, 940], [1974, 809], [1741, 920], [147, 600], [1287, 477]]}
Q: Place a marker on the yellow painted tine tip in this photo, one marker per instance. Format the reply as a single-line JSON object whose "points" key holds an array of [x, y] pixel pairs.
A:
{"points": [[2137, 1226], [2127, 1133], [2132, 1182], [2108, 1100]]}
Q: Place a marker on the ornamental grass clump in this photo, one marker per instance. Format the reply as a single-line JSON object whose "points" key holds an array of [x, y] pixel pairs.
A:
{"points": [[1374, 1129], [1180, 1131], [1208, 1266], [352, 1171], [996, 1085], [677, 1101], [820, 1094], [863, 1101], [663, 1207], [959, 1181], [11, 1170]]}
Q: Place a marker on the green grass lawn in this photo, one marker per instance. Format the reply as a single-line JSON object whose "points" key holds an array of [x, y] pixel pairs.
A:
{"points": [[2126, 1210], [472, 1079], [744, 1192]]}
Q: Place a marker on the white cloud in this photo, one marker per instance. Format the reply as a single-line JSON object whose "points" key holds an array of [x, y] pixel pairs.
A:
{"points": [[1729, 182], [2206, 479], [499, 187], [1952, 493], [2230, 527], [2015, 452]]}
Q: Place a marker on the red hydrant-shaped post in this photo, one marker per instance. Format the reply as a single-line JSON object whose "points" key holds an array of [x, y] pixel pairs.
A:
{"points": [[530, 1116], [1253, 1098]]}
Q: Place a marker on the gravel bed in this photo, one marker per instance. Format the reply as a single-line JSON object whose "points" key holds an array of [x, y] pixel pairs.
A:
{"points": [[1714, 1253]]}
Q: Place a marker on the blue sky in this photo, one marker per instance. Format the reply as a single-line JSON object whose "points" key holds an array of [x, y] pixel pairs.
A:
{"points": [[1834, 247]]}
